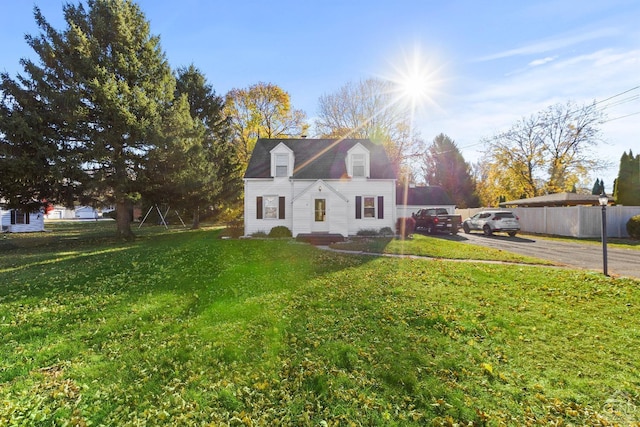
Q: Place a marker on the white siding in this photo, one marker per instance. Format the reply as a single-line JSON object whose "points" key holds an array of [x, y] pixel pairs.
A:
{"points": [[36, 223], [265, 187], [373, 188], [299, 199]]}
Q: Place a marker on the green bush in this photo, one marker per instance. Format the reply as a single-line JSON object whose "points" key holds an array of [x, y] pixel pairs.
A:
{"points": [[280, 231], [386, 232], [259, 234], [367, 232], [633, 227]]}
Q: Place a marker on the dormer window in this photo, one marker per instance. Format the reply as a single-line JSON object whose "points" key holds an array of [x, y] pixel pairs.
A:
{"points": [[281, 161], [282, 165], [358, 162]]}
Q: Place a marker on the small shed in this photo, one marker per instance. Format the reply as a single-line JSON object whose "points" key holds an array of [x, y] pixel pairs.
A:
{"points": [[19, 221], [409, 199]]}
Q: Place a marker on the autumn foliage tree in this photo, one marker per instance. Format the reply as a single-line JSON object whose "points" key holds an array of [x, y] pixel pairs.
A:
{"points": [[261, 111], [548, 152]]}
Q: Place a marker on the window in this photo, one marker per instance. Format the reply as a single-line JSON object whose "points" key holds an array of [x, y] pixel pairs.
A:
{"points": [[19, 217], [282, 165], [270, 207], [369, 207], [358, 165], [366, 207], [320, 210]]}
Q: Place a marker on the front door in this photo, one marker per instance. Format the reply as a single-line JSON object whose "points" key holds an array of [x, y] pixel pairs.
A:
{"points": [[320, 223]]}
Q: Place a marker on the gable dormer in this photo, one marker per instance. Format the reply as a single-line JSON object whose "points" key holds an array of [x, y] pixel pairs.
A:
{"points": [[358, 162], [282, 161]]}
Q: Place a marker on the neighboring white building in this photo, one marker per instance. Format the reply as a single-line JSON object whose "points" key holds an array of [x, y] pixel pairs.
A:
{"points": [[319, 186], [19, 221], [411, 199]]}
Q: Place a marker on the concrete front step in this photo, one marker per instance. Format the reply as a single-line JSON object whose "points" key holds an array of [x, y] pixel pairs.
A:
{"points": [[320, 239]]}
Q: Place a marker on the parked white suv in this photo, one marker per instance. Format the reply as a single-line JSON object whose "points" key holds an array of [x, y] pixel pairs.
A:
{"points": [[490, 222]]}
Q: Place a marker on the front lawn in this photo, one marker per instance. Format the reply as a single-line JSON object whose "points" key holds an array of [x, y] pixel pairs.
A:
{"points": [[434, 247], [183, 328]]}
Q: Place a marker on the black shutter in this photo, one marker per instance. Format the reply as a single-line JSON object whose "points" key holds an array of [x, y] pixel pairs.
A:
{"points": [[259, 207], [281, 207], [358, 207], [27, 217], [13, 216], [380, 207]]}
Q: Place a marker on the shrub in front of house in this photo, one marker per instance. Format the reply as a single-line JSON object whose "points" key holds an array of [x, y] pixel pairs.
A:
{"points": [[633, 227], [405, 226], [367, 232], [386, 232], [280, 231], [259, 234]]}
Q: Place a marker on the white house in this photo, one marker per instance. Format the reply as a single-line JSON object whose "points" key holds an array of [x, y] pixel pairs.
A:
{"points": [[19, 221], [319, 186]]}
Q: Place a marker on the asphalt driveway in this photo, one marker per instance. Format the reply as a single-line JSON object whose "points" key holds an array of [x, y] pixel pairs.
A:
{"points": [[621, 262]]}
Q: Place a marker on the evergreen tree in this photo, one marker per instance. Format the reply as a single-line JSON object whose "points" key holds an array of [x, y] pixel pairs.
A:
{"points": [[102, 89], [598, 187], [445, 166], [627, 188], [213, 180]]}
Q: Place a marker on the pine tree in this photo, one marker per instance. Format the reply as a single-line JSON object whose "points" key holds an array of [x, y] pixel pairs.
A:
{"points": [[627, 189], [102, 88], [445, 166]]}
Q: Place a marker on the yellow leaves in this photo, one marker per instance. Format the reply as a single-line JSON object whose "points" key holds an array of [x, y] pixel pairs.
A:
{"points": [[487, 369]]}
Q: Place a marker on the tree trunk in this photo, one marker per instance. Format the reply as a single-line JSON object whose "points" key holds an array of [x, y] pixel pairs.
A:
{"points": [[196, 219], [123, 220]]}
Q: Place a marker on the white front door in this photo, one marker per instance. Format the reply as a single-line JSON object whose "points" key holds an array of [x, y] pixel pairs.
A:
{"points": [[320, 221]]}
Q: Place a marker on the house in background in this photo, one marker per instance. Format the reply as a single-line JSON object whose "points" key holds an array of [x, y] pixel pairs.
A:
{"points": [[411, 198], [19, 221], [319, 186]]}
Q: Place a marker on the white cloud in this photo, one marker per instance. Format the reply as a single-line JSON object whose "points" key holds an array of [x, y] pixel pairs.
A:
{"points": [[551, 44], [542, 61], [495, 104]]}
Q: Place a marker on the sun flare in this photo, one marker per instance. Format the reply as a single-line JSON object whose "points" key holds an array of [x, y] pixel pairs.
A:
{"points": [[416, 80]]}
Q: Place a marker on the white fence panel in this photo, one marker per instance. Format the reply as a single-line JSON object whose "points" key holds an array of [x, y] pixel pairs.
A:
{"points": [[572, 221]]}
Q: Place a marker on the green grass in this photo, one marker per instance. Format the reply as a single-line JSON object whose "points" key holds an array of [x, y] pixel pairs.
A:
{"points": [[433, 247], [182, 328], [612, 242]]}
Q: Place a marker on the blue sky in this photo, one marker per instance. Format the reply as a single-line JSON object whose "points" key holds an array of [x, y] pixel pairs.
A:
{"points": [[491, 62]]}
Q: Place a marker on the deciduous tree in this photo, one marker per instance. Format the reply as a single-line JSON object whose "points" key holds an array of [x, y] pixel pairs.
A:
{"points": [[262, 111], [548, 152], [370, 109]]}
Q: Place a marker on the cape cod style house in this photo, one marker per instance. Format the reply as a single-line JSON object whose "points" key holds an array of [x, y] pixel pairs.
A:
{"points": [[319, 186]]}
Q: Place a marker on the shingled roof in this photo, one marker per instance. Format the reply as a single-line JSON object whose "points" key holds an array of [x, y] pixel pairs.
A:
{"points": [[423, 196], [557, 199], [318, 158]]}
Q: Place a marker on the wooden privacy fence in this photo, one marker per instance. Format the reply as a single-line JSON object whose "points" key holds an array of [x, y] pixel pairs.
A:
{"points": [[573, 221]]}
